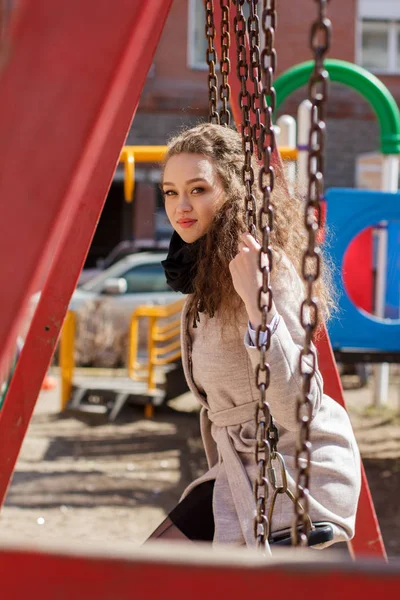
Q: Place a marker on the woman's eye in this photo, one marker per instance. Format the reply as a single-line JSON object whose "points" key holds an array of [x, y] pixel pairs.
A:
{"points": [[168, 193], [197, 190]]}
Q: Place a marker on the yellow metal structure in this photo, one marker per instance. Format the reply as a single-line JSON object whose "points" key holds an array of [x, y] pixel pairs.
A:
{"points": [[138, 154], [155, 154], [163, 347], [288, 153], [67, 361], [163, 340], [144, 154]]}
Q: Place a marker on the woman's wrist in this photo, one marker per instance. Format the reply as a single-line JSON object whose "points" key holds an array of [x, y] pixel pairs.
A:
{"points": [[254, 315]]}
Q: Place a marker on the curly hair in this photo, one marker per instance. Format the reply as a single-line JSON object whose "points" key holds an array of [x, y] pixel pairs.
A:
{"points": [[212, 286]]}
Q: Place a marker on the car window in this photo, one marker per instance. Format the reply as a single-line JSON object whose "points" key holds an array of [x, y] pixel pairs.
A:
{"points": [[147, 278]]}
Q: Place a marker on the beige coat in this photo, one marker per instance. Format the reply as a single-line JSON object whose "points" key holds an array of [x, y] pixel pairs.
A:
{"points": [[219, 367]]}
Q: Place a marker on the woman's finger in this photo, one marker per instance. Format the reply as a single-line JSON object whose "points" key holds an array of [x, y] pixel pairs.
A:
{"points": [[242, 247], [249, 241]]}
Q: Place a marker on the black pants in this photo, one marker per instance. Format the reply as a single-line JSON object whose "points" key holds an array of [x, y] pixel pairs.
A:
{"points": [[194, 515], [195, 519]]}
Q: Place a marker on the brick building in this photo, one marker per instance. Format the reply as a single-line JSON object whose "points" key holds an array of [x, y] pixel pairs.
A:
{"points": [[364, 31]]}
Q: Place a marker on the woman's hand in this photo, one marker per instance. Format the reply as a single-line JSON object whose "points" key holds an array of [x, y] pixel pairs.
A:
{"points": [[246, 276]]}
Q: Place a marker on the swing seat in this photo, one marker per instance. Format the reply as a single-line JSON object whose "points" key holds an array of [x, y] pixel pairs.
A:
{"points": [[322, 533]]}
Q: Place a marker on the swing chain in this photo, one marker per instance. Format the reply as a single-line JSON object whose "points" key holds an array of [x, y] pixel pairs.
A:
{"points": [[225, 65], [266, 184], [263, 416], [242, 70], [267, 434], [266, 144], [266, 147], [253, 27], [268, 68], [320, 35], [211, 59]]}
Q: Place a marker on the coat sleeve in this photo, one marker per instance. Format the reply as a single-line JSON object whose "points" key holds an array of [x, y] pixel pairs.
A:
{"points": [[284, 352]]}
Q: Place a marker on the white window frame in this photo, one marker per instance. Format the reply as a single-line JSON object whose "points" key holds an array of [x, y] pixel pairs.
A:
{"points": [[393, 28], [384, 9], [191, 51]]}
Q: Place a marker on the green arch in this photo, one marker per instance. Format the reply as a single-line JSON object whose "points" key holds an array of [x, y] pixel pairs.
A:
{"points": [[361, 80]]}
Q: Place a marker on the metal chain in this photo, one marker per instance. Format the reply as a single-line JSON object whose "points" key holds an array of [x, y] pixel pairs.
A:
{"points": [[253, 27], [245, 106], [320, 36], [211, 59], [225, 88], [263, 135]]}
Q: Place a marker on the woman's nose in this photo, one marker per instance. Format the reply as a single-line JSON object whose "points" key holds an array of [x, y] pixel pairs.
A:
{"points": [[184, 204]]}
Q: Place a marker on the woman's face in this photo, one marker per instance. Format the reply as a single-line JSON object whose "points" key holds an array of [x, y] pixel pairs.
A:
{"points": [[193, 194]]}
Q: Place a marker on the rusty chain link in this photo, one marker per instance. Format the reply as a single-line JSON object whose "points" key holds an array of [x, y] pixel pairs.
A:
{"points": [[254, 137], [320, 35], [253, 28], [225, 88], [242, 70], [211, 59], [263, 67]]}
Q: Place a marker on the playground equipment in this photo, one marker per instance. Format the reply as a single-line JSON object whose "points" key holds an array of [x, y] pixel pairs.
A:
{"points": [[141, 154], [356, 335], [359, 273], [392, 302], [163, 351], [120, 43], [164, 345]]}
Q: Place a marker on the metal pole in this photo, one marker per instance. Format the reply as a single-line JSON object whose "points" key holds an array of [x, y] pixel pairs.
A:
{"points": [[390, 179], [287, 137], [303, 132]]}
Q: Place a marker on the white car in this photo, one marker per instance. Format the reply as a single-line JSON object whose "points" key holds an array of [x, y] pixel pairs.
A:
{"points": [[104, 306], [132, 281]]}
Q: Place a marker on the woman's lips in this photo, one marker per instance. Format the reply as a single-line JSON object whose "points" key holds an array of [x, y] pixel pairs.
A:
{"points": [[186, 223]]}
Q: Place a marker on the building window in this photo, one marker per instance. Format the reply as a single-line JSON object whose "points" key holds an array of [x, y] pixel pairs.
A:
{"points": [[398, 51], [196, 38], [380, 45], [197, 42]]}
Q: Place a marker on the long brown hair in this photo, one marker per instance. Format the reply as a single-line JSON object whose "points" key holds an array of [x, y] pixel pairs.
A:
{"points": [[212, 285]]}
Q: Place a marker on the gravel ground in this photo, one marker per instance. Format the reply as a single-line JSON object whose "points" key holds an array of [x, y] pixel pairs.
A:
{"points": [[117, 481]]}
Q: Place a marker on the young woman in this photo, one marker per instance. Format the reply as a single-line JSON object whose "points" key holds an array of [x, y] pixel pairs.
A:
{"points": [[215, 262]]}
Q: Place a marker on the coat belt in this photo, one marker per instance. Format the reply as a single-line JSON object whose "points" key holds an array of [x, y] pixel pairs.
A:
{"points": [[237, 415], [240, 485]]}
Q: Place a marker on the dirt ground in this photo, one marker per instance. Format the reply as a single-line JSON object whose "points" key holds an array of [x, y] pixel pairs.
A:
{"points": [[76, 481]]}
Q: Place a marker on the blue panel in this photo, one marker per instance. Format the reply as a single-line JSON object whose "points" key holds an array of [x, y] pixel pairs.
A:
{"points": [[392, 310], [349, 211]]}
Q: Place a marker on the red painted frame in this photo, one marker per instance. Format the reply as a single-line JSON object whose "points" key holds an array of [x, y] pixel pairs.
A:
{"points": [[68, 198], [173, 572]]}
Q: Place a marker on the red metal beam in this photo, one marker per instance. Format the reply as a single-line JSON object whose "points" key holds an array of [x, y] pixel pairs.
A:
{"points": [[172, 572], [69, 168], [60, 94], [368, 539]]}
